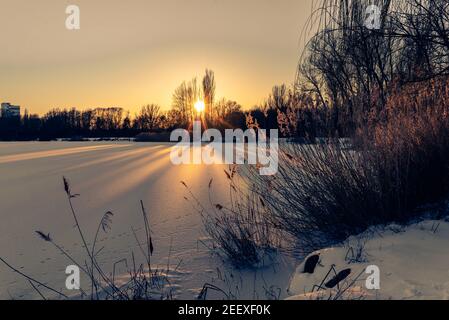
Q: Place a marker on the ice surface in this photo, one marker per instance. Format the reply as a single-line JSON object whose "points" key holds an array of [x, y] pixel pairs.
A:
{"points": [[112, 176]]}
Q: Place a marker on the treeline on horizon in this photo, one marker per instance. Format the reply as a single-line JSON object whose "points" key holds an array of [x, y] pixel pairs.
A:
{"points": [[117, 122], [152, 119]]}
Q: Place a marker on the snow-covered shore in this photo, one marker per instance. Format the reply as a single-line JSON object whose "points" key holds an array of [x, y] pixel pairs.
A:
{"points": [[413, 264]]}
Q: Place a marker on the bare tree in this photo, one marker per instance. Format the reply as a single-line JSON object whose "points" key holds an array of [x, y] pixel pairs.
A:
{"points": [[352, 67], [209, 92], [279, 98], [224, 107], [149, 117], [184, 99]]}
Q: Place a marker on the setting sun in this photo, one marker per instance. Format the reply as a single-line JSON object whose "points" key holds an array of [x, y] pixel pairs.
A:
{"points": [[200, 106]]}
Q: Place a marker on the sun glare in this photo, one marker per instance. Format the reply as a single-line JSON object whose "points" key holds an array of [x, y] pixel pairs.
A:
{"points": [[200, 106]]}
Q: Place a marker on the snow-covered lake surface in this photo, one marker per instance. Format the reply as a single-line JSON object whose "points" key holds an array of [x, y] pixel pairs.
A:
{"points": [[113, 177]]}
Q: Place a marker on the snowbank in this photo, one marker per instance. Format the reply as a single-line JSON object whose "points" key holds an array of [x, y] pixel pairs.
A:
{"points": [[413, 264]]}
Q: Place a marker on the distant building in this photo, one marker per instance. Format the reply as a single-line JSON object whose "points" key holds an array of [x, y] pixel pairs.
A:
{"points": [[9, 111]]}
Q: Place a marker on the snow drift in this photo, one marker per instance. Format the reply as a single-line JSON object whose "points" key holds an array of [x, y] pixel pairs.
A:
{"points": [[413, 262]]}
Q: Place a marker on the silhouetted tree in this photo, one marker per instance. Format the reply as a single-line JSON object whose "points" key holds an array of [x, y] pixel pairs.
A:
{"points": [[149, 118], [209, 87]]}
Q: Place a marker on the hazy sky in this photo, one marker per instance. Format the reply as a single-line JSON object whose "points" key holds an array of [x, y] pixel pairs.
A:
{"points": [[130, 53]]}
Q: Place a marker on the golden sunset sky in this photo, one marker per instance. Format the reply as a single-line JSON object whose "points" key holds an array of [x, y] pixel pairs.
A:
{"points": [[135, 52]]}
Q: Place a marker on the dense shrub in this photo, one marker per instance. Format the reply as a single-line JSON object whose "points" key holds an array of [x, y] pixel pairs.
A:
{"points": [[240, 231], [399, 163]]}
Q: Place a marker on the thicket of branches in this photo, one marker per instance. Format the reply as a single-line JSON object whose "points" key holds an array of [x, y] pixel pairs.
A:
{"points": [[387, 88], [349, 70]]}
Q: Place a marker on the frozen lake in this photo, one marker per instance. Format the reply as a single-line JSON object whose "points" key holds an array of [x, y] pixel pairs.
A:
{"points": [[111, 176]]}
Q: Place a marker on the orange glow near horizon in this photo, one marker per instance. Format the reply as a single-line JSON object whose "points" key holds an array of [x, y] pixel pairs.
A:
{"points": [[138, 52]]}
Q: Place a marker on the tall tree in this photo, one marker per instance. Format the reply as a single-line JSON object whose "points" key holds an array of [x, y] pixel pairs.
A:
{"points": [[209, 92], [149, 117], [184, 99]]}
